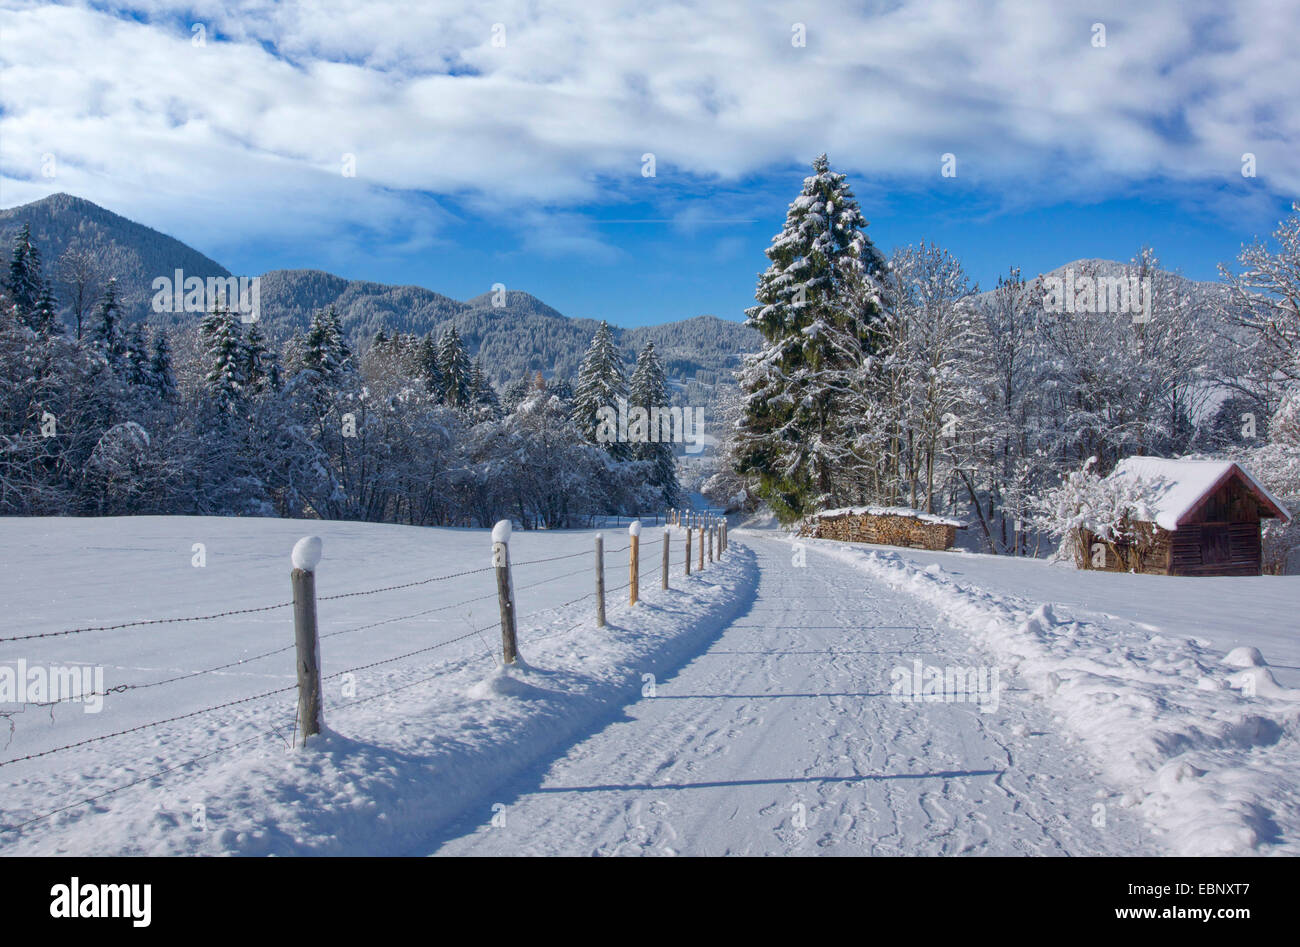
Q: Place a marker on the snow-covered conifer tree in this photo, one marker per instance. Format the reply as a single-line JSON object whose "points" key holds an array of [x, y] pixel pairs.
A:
{"points": [[792, 436], [106, 334], [425, 364], [135, 357], [648, 389], [482, 393], [227, 359], [326, 351], [161, 374], [601, 383], [262, 369], [455, 369], [23, 284]]}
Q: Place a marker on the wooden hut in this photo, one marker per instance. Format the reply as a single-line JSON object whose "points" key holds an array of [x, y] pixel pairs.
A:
{"points": [[890, 526], [1207, 520]]}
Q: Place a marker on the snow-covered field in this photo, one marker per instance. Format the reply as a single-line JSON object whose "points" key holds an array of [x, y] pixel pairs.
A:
{"points": [[393, 765], [1184, 690], [747, 710]]}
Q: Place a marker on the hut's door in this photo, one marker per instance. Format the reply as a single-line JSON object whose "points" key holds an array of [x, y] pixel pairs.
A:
{"points": [[1214, 544]]}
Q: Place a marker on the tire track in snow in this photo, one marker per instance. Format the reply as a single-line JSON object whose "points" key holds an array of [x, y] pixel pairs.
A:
{"points": [[781, 738]]}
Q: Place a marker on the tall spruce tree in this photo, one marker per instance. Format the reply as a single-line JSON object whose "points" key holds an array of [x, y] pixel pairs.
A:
{"points": [[227, 359], [135, 357], [261, 369], [106, 335], [23, 284], [426, 364], [602, 382], [326, 351], [456, 371], [161, 374], [482, 392], [45, 316], [648, 389], [796, 423]]}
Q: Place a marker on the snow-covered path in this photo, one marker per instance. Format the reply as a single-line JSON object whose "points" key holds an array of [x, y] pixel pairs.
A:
{"points": [[782, 738]]}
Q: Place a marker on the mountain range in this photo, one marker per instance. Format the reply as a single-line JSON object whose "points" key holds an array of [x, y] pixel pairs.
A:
{"points": [[522, 336]]}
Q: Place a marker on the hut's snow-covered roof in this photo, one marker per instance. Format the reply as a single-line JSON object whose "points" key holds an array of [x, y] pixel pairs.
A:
{"points": [[1181, 485]]}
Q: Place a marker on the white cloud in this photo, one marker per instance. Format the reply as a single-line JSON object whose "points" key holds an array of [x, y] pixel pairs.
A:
{"points": [[249, 130]]}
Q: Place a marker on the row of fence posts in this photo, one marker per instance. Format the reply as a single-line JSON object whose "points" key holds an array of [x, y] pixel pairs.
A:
{"points": [[307, 554]]}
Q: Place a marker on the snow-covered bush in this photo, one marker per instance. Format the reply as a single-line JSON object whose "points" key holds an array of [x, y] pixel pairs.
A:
{"points": [[1088, 508]]}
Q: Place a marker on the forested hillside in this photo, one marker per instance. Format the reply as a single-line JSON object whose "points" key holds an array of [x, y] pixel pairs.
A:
{"points": [[513, 334], [82, 242]]}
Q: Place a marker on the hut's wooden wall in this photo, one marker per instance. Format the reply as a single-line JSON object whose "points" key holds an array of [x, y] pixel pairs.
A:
{"points": [[1244, 550], [1225, 537], [1148, 553], [883, 529], [1223, 540]]}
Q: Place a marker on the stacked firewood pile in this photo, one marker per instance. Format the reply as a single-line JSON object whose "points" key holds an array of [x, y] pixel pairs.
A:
{"points": [[889, 529]]}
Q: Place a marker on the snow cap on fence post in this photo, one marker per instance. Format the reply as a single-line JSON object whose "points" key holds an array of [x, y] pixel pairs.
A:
{"points": [[634, 528], [306, 553], [501, 532], [306, 556]]}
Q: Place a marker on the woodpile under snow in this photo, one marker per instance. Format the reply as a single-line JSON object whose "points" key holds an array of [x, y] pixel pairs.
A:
{"points": [[888, 526]]}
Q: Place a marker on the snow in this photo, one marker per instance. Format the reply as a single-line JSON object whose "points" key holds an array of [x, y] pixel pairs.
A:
{"points": [[1140, 669], [501, 532], [1180, 484], [780, 737], [746, 710], [306, 553], [419, 738], [889, 511], [1244, 657], [634, 528]]}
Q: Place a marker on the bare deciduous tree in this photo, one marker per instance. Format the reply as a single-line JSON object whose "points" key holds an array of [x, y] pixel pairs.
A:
{"points": [[79, 270]]}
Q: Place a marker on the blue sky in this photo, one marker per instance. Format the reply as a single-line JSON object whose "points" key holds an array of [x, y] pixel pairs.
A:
{"points": [[652, 268], [504, 142]]}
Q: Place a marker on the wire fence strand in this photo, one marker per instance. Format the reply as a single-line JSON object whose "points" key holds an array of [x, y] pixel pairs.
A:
{"points": [[123, 688]]}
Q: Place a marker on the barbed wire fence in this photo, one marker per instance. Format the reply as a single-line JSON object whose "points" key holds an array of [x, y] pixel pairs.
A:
{"points": [[307, 639]]}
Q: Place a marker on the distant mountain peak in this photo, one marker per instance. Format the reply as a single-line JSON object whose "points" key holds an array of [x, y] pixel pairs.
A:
{"points": [[131, 252]]}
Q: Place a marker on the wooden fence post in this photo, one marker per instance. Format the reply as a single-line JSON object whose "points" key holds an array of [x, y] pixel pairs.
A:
{"points": [[663, 569], [634, 560], [600, 581], [701, 546], [710, 539], [688, 551], [505, 591], [306, 556]]}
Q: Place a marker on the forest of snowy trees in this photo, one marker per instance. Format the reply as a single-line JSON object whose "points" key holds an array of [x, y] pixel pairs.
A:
{"points": [[895, 382], [116, 417], [880, 380]]}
